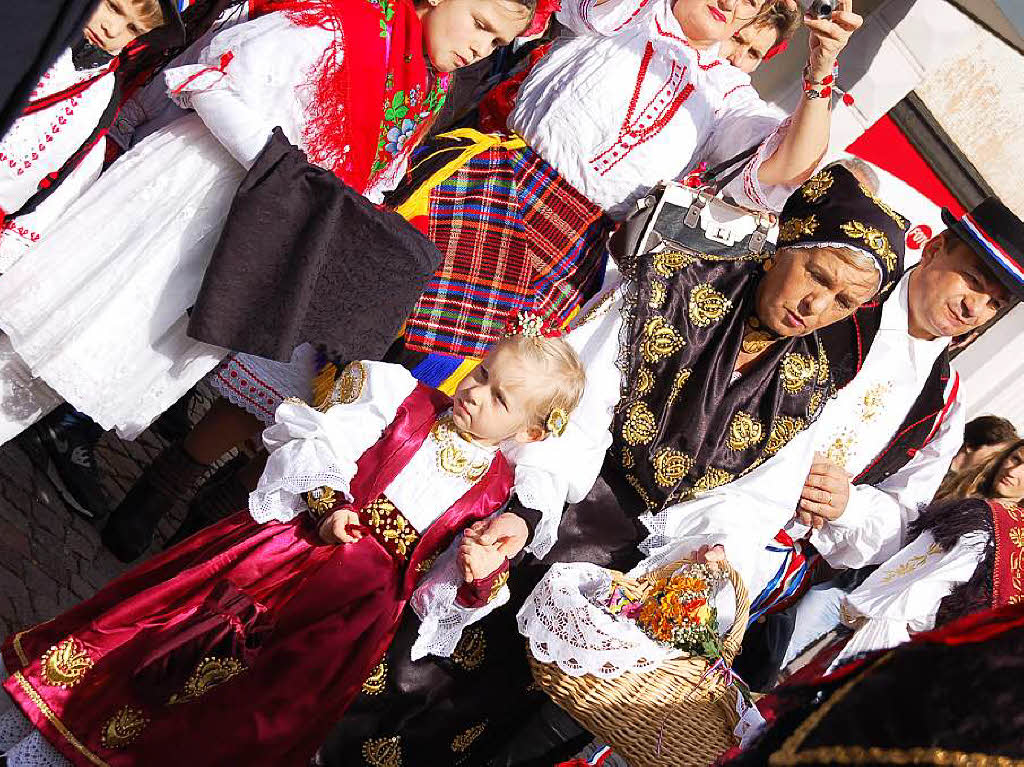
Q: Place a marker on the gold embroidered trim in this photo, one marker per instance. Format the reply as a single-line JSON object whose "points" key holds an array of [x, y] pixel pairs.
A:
{"points": [[639, 427], [320, 500], [390, 526], [65, 664], [660, 340], [349, 386], [838, 450], [794, 228], [823, 368], [875, 239], [58, 725], [18, 649], [798, 370], [783, 430], [427, 563], [497, 586], [637, 485], [597, 309], [911, 564], [873, 401], [814, 403], [465, 740], [744, 431], [450, 458], [884, 207], [670, 466], [712, 478], [669, 262], [658, 295], [755, 338], [375, 682], [814, 188], [677, 385], [628, 462], [383, 752], [209, 673], [471, 649], [123, 728], [707, 305], [644, 382], [790, 754]]}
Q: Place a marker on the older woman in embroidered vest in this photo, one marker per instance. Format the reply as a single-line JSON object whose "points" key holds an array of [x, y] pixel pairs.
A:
{"points": [[704, 366]]}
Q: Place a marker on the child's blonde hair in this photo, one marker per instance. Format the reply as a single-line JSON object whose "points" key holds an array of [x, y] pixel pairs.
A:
{"points": [[564, 374], [151, 13]]}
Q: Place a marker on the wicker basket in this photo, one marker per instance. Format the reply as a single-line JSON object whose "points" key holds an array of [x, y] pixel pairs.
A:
{"points": [[660, 718]]}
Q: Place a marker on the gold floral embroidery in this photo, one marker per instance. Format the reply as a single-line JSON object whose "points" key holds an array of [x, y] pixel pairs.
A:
{"points": [[900, 221], [637, 485], [123, 728], [374, 684], [783, 430], [815, 187], [712, 478], [670, 466], [644, 382], [498, 585], [669, 262], [744, 431], [427, 563], [383, 752], [793, 228], [677, 385], [320, 500], [823, 369], [639, 427], [627, 459], [814, 403], [1017, 536], [658, 295], [450, 458], [65, 664], [471, 649], [874, 238], [390, 526], [598, 308], [660, 340], [707, 305], [838, 450], [755, 338], [911, 564], [349, 386], [465, 740], [873, 401], [209, 673], [798, 370]]}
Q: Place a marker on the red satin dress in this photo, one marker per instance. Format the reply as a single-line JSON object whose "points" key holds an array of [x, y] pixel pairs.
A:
{"points": [[244, 644]]}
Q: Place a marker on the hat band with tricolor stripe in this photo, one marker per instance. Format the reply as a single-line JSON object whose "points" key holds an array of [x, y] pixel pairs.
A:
{"points": [[993, 248]]}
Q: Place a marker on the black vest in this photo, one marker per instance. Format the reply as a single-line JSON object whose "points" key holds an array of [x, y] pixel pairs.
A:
{"points": [[847, 344]]}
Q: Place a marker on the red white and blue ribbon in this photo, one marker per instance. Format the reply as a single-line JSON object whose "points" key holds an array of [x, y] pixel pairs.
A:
{"points": [[993, 248]]}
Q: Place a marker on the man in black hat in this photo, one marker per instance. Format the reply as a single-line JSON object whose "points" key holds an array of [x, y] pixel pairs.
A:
{"points": [[967, 274]]}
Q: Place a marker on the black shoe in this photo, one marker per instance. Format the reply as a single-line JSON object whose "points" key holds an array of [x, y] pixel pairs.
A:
{"points": [[129, 532], [222, 495], [63, 446]]}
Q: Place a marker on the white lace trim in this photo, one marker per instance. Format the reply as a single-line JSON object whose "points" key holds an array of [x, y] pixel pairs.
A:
{"points": [[20, 742], [566, 627], [442, 621]]}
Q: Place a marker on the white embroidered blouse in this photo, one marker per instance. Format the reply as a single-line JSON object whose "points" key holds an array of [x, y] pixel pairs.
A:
{"points": [[628, 102]]}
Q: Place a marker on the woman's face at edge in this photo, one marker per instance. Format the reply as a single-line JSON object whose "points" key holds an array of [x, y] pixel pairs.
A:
{"points": [[706, 22]]}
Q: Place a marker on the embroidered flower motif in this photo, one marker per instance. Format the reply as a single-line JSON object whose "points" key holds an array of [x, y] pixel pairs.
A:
{"points": [[875, 239], [798, 370], [399, 135], [209, 673], [794, 228], [640, 425], [817, 185], [707, 305], [374, 684], [670, 466], [64, 664], [123, 728], [660, 340], [744, 431]]}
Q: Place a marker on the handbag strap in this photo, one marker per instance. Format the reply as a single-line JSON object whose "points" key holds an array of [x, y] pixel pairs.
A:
{"points": [[711, 176]]}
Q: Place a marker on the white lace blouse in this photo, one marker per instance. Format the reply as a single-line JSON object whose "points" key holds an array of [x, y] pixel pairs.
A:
{"points": [[628, 102]]}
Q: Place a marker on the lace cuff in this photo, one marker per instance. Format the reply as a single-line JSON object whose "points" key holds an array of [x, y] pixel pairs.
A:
{"points": [[442, 619]]}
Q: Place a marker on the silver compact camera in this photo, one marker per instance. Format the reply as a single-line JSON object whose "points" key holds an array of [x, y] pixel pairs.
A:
{"points": [[822, 9]]}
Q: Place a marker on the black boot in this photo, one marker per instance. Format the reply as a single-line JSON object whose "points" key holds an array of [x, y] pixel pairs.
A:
{"points": [[222, 495], [63, 446], [171, 476]]}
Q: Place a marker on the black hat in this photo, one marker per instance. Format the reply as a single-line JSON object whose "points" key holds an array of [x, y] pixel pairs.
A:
{"points": [[997, 236], [834, 208], [172, 16]]}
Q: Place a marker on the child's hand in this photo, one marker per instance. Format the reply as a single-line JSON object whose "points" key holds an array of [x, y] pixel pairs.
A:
{"points": [[478, 560], [340, 526], [713, 557], [508, 531]]}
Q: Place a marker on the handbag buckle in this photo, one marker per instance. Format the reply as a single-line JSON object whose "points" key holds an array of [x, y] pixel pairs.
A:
{"points": [[759, 236], [697, 206]]}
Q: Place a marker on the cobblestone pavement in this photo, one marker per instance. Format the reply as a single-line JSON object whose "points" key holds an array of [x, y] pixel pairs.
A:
{"points": [[51, 558]]}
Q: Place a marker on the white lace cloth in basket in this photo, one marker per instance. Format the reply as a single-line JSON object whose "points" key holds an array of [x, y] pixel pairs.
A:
{"points": [[566, 627]]}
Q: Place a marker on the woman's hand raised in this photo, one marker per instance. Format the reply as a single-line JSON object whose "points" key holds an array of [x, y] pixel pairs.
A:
{"points": [[828, 37]]}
